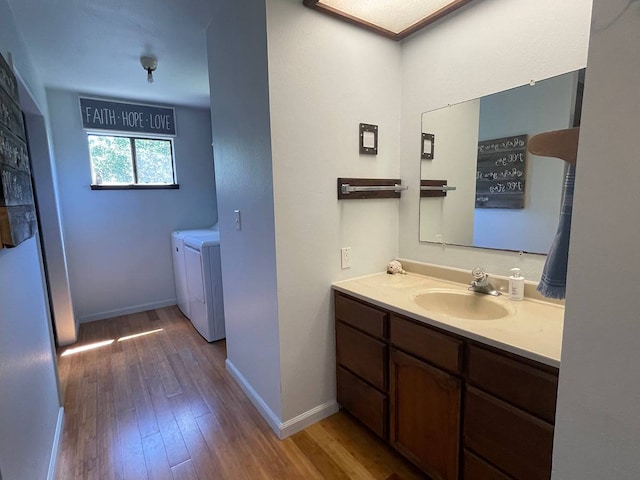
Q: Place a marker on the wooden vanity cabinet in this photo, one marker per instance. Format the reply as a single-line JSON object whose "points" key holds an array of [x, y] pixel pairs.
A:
{"points": [[456, 408], [509, 415], [362, 357]]}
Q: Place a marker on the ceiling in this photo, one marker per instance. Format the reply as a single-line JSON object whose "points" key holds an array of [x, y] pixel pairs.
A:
{"points": [[94, 46], [394, 19]]}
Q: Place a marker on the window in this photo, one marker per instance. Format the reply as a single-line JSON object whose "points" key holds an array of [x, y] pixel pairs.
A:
{"points": [[119, 162]]}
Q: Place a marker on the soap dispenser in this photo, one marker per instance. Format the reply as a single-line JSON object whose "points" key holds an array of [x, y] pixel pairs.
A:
{"points": [[516, 285]]}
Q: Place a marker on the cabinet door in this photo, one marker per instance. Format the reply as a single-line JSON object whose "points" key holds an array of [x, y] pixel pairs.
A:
{"points": [[425, 415]]}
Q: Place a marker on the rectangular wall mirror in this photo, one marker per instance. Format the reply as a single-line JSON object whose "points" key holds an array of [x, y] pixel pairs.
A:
{"points": [[517, 204]]}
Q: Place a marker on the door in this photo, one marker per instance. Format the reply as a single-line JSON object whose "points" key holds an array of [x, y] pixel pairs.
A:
{"points": [[195, 287], [180, 274]]}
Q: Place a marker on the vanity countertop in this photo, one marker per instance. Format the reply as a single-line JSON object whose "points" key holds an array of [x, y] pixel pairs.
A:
{"points": [[533, 328]]}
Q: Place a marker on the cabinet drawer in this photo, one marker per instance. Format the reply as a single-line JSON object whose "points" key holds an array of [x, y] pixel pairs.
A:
{"points": [[424, 342], [477, 469], [361, 316], [516, 442], [362, 354], [521, 384], [363, 402]]}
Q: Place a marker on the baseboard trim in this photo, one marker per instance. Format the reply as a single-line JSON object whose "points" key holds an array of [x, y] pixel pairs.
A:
{"points": [[271, 418], [281, 429], [307, 418], [53, 461], [94, 317]]}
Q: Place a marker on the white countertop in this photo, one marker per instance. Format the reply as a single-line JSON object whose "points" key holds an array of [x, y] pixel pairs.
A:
{"points": [[533, 328]]}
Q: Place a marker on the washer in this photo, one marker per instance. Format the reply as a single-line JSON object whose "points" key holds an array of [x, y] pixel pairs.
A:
{"points": [[199, 280]]}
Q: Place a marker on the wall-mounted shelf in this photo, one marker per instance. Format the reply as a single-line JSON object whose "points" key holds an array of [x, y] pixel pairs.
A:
{"points": [[434, 188], [362, 188]]}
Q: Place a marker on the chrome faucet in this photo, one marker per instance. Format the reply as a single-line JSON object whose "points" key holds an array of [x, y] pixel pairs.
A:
{"points": [[480, 283]]}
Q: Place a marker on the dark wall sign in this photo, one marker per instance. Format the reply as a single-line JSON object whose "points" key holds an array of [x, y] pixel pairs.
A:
{"points": [[13, 151], [11, 115], [7, 80], [17, 209], [501, 172], [115, 116], [15, 187]]}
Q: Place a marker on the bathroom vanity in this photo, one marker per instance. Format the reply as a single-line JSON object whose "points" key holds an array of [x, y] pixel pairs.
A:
{"points": [[470, 398]]}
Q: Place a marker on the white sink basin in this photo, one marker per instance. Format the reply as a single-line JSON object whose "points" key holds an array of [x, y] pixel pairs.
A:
{"points": [[461, 304]]}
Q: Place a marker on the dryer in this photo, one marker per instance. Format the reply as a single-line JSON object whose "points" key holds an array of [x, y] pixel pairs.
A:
{"points": [[179, 269], [199, 280]]}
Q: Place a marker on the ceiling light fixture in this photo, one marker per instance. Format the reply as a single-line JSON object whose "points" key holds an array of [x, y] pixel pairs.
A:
{"points": [[395, 19], [149, 64]]}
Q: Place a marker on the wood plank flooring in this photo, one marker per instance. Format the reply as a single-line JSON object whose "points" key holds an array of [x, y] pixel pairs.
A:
{"points": [[162, 406]]}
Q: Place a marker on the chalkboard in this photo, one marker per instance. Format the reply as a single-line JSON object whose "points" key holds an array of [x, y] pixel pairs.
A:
{"points": [[11, 115], [7, 80], [17, 224], [17, 206], [15, 187], [115, 116], [13, 151], [501, 172]]}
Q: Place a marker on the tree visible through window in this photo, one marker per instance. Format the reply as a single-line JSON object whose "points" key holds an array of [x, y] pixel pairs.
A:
{"points": [[130, 161]]}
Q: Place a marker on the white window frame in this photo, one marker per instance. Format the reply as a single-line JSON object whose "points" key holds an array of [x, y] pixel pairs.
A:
{"points": [[135, 185]]}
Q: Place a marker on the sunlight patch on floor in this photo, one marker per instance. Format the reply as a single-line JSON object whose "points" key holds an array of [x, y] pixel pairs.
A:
{"points": [[129, 337], [84, 348]]}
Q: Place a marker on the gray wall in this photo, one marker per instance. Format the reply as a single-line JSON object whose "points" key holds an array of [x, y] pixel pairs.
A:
{"points": [[597, 432], [118, 241], [46, 188], [237, 51], [29, 397]]}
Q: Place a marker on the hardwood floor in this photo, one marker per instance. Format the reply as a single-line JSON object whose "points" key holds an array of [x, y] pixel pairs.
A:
{"points": [[162, 406]]}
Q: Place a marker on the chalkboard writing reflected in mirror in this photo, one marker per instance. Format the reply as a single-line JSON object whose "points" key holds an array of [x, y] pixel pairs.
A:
{"points": [[495, 218], [501, 172]]}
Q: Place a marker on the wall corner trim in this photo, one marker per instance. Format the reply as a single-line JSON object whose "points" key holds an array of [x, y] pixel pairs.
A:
{"points": [[57, 438], [281, 429]]}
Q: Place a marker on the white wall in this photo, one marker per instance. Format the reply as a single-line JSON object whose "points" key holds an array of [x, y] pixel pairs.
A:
{"points": [[118, 241], [485, 47], [455, 152], [285, 126], [547, 106], [325, 78], [29, 396], [597, 425], [237, 53]]}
